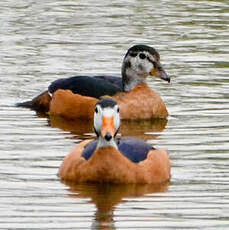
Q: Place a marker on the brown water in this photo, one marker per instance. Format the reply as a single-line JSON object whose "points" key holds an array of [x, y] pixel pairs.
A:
{"points": [[42, 41]]}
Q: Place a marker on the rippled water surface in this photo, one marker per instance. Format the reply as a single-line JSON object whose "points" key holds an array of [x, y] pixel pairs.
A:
{"points": [[41, 41]]}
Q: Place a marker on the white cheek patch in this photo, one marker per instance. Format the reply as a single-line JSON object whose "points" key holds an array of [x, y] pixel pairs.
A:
{"points": [[98, 119], [117, 121], [116, 118], [97, 122], [142, 66]]}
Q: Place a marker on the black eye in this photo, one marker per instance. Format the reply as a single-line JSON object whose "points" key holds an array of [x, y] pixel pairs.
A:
{"points": [[133, 54], [96, 109], [142, 55]]}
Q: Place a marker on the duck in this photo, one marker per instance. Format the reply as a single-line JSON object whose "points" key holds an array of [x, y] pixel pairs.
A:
{"points": [[108, 159], [75, 97]]}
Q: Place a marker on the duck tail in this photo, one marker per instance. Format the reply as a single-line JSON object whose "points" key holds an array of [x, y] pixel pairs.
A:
{"points": [[39, 103]]}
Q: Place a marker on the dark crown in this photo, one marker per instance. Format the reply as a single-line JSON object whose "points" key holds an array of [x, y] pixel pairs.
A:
{"points": [[106, 102]]}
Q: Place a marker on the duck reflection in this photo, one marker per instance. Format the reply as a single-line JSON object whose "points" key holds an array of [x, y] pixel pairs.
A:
{"points": [[128, 128], [107, 196]]}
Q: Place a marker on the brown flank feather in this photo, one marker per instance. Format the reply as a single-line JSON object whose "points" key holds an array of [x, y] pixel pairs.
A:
{"points": [[72, 106], [107, 164], [140, 103]]}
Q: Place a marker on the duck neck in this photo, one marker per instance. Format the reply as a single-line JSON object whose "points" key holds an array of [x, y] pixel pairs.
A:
{"points": [[104, 143], [131, 79]]}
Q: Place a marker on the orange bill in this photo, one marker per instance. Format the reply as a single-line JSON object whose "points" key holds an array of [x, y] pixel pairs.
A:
{"points": [[108, 126]]}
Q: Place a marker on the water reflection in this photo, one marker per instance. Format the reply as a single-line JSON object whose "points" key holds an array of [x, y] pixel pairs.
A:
{"points": [[140, 129], [106, 197]]}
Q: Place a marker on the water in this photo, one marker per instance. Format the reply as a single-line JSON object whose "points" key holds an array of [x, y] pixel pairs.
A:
{"points": [[41, 42]]}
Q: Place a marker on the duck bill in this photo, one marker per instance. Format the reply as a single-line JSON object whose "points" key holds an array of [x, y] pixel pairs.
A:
{"points": [[159, 72], [108, 129]]}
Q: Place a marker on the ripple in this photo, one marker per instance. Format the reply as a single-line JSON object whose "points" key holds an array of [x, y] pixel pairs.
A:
{"points": [[41, 42]]}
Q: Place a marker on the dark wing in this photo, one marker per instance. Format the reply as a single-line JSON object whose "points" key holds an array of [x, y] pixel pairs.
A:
{"points": [[89, 149], [111, 79], [134, 149], [89, 86]]}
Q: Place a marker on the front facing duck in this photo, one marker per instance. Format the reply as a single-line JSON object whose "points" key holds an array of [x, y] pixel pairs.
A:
{"points": [[109, 159]]}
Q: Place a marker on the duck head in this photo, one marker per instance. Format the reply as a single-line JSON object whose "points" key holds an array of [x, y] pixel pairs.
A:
{"points": [[106, 122], [139, 62]]}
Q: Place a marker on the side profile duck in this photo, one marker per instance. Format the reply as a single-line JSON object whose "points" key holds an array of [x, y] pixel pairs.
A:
{"points": [[75, 97], [114, 160]]}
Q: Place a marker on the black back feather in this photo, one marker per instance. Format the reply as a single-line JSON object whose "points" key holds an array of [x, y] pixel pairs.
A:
{"points": [[89, 86]]}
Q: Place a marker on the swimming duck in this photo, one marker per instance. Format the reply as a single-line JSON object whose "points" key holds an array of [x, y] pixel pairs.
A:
{"points": [[111, 159], [75, 97]]}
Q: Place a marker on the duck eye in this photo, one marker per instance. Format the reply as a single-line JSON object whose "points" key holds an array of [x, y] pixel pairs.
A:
{"points": [[142, 55], [96, 110]]}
